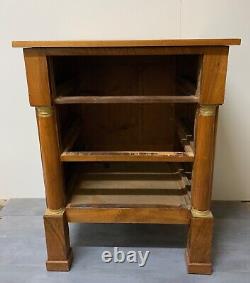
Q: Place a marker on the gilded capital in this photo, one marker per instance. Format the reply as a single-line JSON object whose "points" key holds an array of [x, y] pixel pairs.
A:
{"points": [[207, 110], [44, 111]]}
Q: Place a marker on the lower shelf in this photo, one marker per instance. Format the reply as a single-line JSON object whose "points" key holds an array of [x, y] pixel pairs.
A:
{"points": [[129, 197]]}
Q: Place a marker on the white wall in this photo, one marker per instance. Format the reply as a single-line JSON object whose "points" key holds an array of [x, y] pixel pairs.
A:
{"points": [[20, 168]]}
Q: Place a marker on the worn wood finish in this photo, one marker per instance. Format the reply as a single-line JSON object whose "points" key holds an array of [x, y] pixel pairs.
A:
{"points": [[136, 156], [128, 201], [37, 78], [204, 159], [128, 43], [52, 168], [198, 253], [145, 181], [126, 99], [116, 122], [129, 182], [106, 196], [186, 139], [57, 240], [213, 78]]}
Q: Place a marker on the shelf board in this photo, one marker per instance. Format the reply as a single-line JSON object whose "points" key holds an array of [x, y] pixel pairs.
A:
{"points": [[105, 197], [125, 99], [128, 201], [69, 153], [108, 183], [136, 156]]}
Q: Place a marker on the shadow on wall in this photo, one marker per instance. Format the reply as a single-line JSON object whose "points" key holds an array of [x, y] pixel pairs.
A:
{"points": [[231, 149]]}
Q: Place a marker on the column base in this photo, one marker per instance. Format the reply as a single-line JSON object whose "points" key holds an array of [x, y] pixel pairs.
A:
{"points": [[198, 252], [60, 265], [198, 268], [57, 240]]}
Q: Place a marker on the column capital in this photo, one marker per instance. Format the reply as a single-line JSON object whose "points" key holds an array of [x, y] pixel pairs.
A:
{"points": [[44, 111], [207, 110]]}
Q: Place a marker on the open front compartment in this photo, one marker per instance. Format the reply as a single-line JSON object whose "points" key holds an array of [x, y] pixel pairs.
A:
{"points": [[121, 188], [127, 132], [126, 79]]}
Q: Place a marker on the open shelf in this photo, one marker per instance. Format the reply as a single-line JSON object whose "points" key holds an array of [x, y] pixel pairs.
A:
{"points": [[140, 79], [126, 128], [73, 149], [129, 189], [125, 132]]}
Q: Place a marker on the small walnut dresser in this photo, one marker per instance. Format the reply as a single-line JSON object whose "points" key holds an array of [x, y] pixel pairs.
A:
{"points": [[127, 133]]}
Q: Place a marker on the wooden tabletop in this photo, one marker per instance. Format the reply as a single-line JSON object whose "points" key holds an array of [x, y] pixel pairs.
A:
{"points": [[129, 43]]}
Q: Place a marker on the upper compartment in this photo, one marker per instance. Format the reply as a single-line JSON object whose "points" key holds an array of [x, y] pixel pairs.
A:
{"points": [[126, 79]]}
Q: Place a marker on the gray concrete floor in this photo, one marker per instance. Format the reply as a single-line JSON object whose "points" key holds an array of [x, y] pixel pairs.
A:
{"points": [[22, 248]]}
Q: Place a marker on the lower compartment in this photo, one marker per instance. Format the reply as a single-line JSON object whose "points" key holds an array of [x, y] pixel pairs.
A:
{"points": [[130, 193]]}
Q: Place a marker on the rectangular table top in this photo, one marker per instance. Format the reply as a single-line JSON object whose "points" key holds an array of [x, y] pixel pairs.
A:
{"points": [[128, 43]]}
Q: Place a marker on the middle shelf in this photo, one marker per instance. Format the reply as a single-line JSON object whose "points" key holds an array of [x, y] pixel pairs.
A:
{"points": [[74, 151], [126, 132], [137, 156]]}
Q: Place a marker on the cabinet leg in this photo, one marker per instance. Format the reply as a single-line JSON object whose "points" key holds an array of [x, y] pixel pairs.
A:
{"points": [[198, 253], [57, 240]]}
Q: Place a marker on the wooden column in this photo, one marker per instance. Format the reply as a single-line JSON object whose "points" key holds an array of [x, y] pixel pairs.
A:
{"points": [[205, 133], [40, 96], [55, 222], [52, 168], [198, 254]]}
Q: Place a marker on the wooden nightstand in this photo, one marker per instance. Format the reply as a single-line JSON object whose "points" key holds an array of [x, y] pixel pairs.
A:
{"points": [[127, 132]]}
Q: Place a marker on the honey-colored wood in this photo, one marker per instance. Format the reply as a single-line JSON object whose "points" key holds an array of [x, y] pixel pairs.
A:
{"points": [[125, 201], [128, 215], [120, 141], [128, 43], [213, 76], [52, 168], [198, 254], [204, 158], [37, 78], [121, 51], [130, 128], [57, 240], [109, 196]]}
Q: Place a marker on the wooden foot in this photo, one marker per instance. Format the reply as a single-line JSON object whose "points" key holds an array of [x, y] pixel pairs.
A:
{"points": [[198, 253], [57, 240], [198, 268], [60, 265]]}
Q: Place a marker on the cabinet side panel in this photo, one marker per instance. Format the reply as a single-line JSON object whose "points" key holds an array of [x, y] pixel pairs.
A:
{"points": [[37, 78], [214, 69]]}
